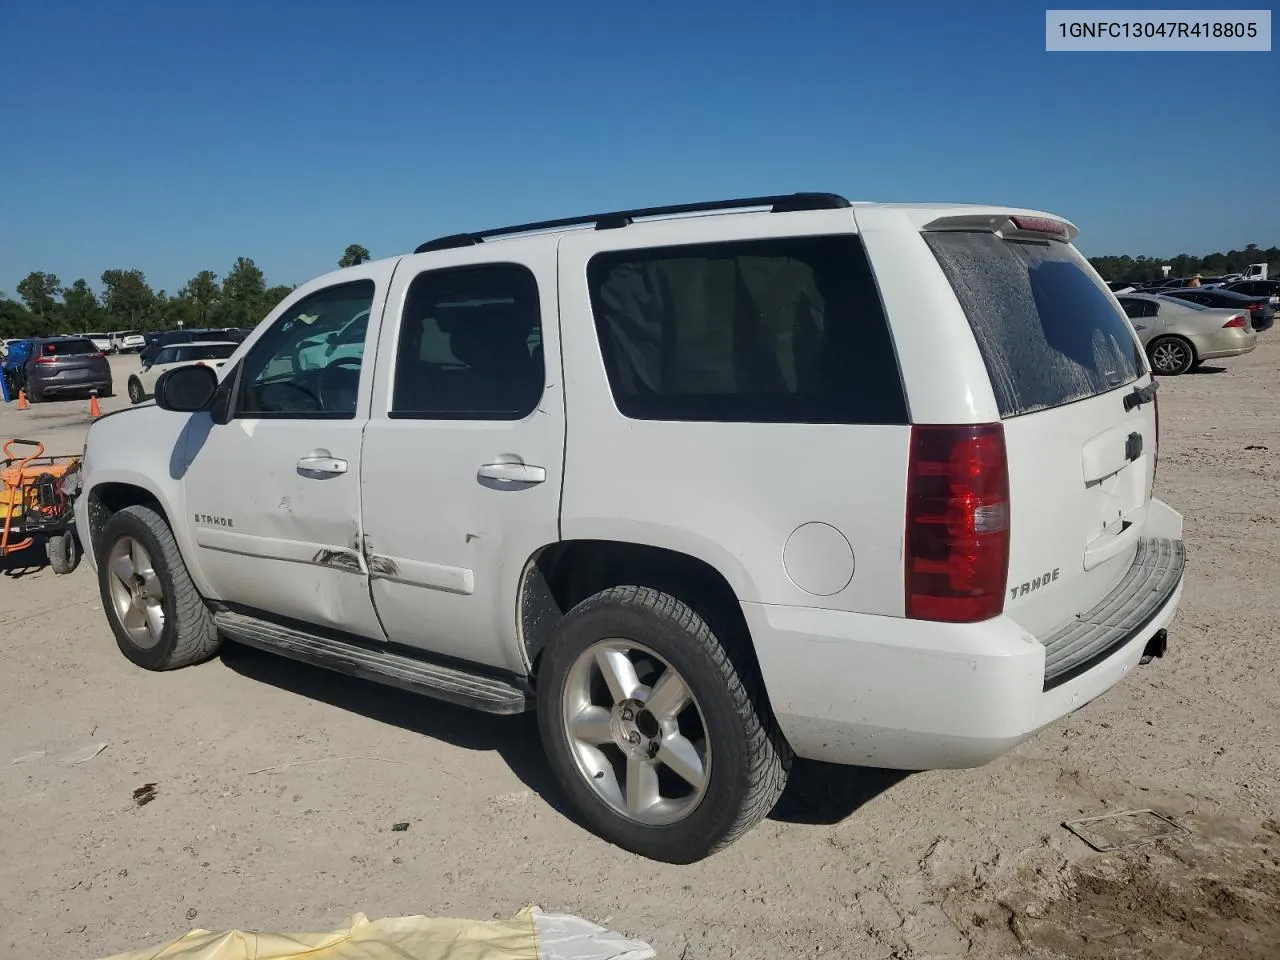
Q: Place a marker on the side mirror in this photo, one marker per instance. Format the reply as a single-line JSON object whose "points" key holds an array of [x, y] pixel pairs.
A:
{"points": [[186, 389]]}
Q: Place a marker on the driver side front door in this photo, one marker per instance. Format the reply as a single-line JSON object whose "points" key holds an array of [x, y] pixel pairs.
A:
{"points": [[274, 493]]}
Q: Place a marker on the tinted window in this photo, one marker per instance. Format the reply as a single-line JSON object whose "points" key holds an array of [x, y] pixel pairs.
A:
{"points": [[70, 348], [167, 355], [470, 345], [1136, 309], [1047, 330], [297, 369], [784, 330], [216, 351]]}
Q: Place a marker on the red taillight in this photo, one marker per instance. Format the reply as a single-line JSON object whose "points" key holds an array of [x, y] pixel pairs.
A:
{"points": [[46, 359], [99, 356], [957, 536], [1237, 321], [1253, 306]]}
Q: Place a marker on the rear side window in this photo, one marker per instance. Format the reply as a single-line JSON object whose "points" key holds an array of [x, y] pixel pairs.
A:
{"points": [[1048, 332], [786, 330]]}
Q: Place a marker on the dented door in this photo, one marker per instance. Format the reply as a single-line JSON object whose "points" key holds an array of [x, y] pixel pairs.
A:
{"points": [[273, 494], [464, 448]]}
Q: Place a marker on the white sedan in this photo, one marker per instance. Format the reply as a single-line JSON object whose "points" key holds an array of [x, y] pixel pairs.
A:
{"points": [[209, 353]]}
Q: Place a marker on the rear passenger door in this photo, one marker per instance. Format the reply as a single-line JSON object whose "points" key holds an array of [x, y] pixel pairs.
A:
{"points": [[464, 448]]}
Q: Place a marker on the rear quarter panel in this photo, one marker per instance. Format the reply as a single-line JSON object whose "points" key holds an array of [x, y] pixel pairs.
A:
{"points": [[730, 494]]}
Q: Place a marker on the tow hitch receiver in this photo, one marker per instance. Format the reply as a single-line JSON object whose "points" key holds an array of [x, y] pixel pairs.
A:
{"points": [[1155, 646]]}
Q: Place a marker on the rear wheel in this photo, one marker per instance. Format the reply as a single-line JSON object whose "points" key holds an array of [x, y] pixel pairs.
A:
{"points": [[159, 618], [1171, 356], [656, 729]]}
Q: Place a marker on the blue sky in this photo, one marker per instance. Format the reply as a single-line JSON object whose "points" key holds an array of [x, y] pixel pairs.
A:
{"points": [[174, 137]]}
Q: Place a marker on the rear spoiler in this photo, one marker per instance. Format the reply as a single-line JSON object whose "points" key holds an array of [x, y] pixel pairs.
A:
{"points": [[1010, 226]]}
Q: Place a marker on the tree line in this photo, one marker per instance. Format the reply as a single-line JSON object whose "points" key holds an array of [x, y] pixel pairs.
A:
{"points": [[1139, 269], [128, 302]]}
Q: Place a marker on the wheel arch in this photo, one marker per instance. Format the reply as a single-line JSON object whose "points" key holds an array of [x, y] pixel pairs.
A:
{"points": [[110, 495], [561, 575]]}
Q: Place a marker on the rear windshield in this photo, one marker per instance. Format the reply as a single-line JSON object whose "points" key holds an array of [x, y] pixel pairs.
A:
{"points": [[70, 348], [787, 330], [1048, 331]]}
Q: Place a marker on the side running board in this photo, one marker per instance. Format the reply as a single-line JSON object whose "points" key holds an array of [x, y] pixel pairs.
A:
{"points": [[475, 690]]}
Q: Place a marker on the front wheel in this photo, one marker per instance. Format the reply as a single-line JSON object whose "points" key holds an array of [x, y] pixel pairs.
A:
{"points": [[136, 393], [656, 729], [158, 616], [1171, 356]]}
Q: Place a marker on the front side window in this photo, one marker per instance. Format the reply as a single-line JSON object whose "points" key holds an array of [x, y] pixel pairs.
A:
{"points": [[470, 345], [299, 368], [784, 330]]}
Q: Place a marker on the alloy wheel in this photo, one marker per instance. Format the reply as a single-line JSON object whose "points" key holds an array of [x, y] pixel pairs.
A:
{"points": [[636, 732], [136, 592]]}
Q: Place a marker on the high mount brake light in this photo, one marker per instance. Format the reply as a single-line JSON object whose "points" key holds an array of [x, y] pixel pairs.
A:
{"points": [[1040, 225]]}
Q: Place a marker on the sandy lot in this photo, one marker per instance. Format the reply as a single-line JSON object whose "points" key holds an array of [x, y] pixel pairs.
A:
{"points": [[276, 785]]}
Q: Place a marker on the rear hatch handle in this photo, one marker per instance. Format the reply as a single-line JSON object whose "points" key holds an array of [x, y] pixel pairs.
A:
{"points": [[1140, 395]]}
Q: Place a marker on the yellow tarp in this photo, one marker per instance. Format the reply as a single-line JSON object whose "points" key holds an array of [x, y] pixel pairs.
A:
{"points": [[395, 938]]}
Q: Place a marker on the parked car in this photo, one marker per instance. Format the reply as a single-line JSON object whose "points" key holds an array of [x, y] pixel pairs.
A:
{"points": [[1258, 288], [209, 353], [1179, 335], [59, 366], [127, 341], [870, 485], [162, 338], [100, 340], [1261, 315]]}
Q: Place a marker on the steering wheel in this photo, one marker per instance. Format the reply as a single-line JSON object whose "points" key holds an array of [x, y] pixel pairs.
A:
{"points": [[350, 365], [314, 403]]}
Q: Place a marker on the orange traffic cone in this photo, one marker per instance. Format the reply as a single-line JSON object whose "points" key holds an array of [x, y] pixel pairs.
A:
{"points": [[94, 409], [22, 400]]}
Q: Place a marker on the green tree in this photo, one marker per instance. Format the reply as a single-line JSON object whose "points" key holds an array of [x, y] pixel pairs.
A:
{"points": [[128, 299], [201, 298], [39, 289], [272, 297], [355, 254], [242, 294], [80, 308], [16, 320]]}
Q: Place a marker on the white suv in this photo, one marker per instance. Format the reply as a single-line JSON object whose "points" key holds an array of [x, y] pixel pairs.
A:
{"points": [[863, 483]]}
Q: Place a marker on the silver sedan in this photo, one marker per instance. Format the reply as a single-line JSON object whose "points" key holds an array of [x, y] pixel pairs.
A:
{"points": [[1178, 336]]}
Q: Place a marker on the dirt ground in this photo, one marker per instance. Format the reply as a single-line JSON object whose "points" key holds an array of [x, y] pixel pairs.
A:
{"points": [[277, 786]]}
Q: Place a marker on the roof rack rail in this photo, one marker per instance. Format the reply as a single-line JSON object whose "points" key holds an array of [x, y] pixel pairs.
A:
{"points": [[783, 203]]}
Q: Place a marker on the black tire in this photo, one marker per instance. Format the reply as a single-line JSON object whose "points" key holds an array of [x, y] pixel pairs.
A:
{"points": [[63, 551], [750, 757], [1171, 356], [136, 393], [189, 635]]}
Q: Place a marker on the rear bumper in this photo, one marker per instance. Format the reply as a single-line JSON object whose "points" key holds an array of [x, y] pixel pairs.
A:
{"points": [[915, 695], [1233, 342], [55, 387]]}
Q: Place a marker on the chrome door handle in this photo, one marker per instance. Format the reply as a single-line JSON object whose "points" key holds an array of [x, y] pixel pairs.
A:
{"points": [[512, 473], [321, 465]]}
